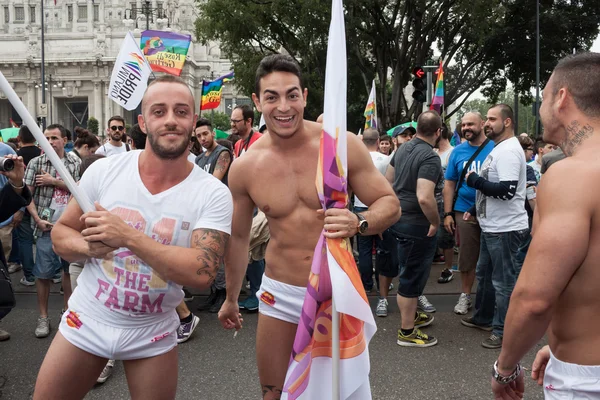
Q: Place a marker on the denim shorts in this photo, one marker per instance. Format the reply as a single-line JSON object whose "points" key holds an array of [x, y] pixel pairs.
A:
{"points": [[47, 263], [415, 255]]}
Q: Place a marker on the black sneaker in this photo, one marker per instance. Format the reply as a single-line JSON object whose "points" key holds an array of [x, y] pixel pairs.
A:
{"points": [[493, 342], [469, 322], [187, 296], [209, 302], [220, 297], [446, 276]]}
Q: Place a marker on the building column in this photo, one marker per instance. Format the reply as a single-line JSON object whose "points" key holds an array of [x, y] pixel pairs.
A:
{"points": [[90, 20], [97, 110], [26, 8], [101, 12], [31, 106]]}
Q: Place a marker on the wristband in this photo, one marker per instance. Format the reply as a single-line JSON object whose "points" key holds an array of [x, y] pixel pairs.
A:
{"points": [[449, 214]]}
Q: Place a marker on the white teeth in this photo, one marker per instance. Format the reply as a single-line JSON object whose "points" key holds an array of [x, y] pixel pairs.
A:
{"points": [[284, 119]]}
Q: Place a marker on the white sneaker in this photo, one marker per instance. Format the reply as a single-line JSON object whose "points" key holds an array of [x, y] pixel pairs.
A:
{"points": [[424, 305], [43, 327], [13, 267], [106, 372], [463, 305], [382, 306]]}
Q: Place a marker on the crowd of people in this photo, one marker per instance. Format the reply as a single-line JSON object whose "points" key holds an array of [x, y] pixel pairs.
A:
{"points": [[174, 207]]}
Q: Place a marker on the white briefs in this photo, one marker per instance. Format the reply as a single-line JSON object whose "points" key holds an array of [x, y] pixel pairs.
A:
{"points": [[280, 300], [564, 381]]}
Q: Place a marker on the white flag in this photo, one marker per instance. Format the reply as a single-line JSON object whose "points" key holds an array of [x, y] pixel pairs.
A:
{"points": [[130, 75]]}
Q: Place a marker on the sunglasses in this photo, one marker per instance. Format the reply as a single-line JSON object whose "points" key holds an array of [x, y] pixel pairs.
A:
{"points": [[114, 128]]}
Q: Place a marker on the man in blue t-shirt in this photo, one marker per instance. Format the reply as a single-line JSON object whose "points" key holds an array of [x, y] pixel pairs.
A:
{"points": [[468, 231]]}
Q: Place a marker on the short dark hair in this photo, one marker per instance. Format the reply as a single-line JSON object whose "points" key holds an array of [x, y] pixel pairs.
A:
{"points": [[385, 138], [247, 112], [69, 137], [276, 63], [428, 123], [87, 161], [539, 144], [204, 122], [116, 118], [138, 137], [63, 131], [506, 112], [85, 137], [446, 134], [25, 135], [525, 142], [580, 75]]}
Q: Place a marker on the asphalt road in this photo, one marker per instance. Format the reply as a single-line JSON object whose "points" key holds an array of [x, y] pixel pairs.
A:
{"points": [[215, 366]]}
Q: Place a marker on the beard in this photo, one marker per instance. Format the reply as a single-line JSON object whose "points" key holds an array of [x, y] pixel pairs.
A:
{"points": [[474, 134], [493, 135], [167, 153], [116, 137]]}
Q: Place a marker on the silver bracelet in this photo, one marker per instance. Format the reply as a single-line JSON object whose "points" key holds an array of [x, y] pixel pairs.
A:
{"points": [[505, 380], [17, 187]]}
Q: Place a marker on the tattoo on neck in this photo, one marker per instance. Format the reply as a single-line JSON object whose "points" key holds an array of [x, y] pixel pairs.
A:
{"points": [[271, 392], [576, 134]]}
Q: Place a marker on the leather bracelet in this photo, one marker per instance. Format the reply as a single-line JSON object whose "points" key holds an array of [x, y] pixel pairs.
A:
{"points": [[17, 187], [505, 380], [449, 214]]}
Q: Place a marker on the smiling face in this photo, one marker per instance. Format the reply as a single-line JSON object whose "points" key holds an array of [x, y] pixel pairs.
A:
{"points": [[282, 103], [168, 118], [471, 126], [495, 125]]}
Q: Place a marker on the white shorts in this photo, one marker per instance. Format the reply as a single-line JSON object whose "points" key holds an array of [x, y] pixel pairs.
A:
{"points": [[114, 343], [280, 300], [571, 381]]}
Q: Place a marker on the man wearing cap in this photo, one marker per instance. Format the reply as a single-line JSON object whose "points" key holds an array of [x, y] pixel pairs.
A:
{"points": [[402, 134]]}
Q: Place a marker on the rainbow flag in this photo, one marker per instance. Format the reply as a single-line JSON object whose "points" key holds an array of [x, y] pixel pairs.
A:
{"points": [[438, 97], [211, 92], [165, 51], [371, 109], [333, 271]]}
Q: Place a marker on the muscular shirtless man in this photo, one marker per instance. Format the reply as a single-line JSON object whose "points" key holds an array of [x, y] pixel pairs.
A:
{"points": [[559, 283], [278, 176]]}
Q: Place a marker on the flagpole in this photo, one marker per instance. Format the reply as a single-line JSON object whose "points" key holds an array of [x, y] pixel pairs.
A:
{"points": [[335, 350], [82, 199]]}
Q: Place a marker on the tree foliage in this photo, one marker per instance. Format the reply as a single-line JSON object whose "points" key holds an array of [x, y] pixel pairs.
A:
{"points": [[218, 120], [482, 42], [93, 125]]}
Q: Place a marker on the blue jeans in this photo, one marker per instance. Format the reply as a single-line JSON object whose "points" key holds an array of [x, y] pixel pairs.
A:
{"points": [[522, 253], [47, 263], [255, 272], [497, 274], [25, 238], [415, 255]]}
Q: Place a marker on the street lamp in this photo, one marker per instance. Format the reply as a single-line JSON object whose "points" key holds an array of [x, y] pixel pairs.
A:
{"points": [[147, 10]]}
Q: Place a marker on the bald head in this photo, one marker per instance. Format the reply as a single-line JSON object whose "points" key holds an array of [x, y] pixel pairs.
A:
{"points": [[429, 123], [371, 139], [474, 115]]}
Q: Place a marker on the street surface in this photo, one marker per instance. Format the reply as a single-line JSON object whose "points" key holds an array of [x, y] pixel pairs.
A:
{"points": [[215, 366]]}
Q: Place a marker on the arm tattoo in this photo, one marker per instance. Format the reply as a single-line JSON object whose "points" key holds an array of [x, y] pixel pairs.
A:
{"points": [[223, 162], [271, 392], [211, 245], [576, 134]]}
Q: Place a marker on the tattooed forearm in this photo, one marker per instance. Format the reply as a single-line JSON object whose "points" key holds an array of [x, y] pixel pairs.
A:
{"points": [[211, 246], [271, 392], [576, 134]]}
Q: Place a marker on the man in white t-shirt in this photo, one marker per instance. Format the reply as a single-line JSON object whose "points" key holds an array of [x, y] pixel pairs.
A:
{"points": [[500, 205], [365, 243], [115, 131], [160, 222]]}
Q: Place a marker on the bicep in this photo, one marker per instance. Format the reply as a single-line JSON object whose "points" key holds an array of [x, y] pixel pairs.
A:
{"points": [[389, 174], [425, 188], [222, 165], [243, 205]]}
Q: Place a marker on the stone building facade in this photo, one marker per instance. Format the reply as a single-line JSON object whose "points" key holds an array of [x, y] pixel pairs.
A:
{"points": [[82, 40]]}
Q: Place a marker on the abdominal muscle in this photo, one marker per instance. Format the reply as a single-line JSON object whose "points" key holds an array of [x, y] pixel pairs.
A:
{"points": [[292, 245]]}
